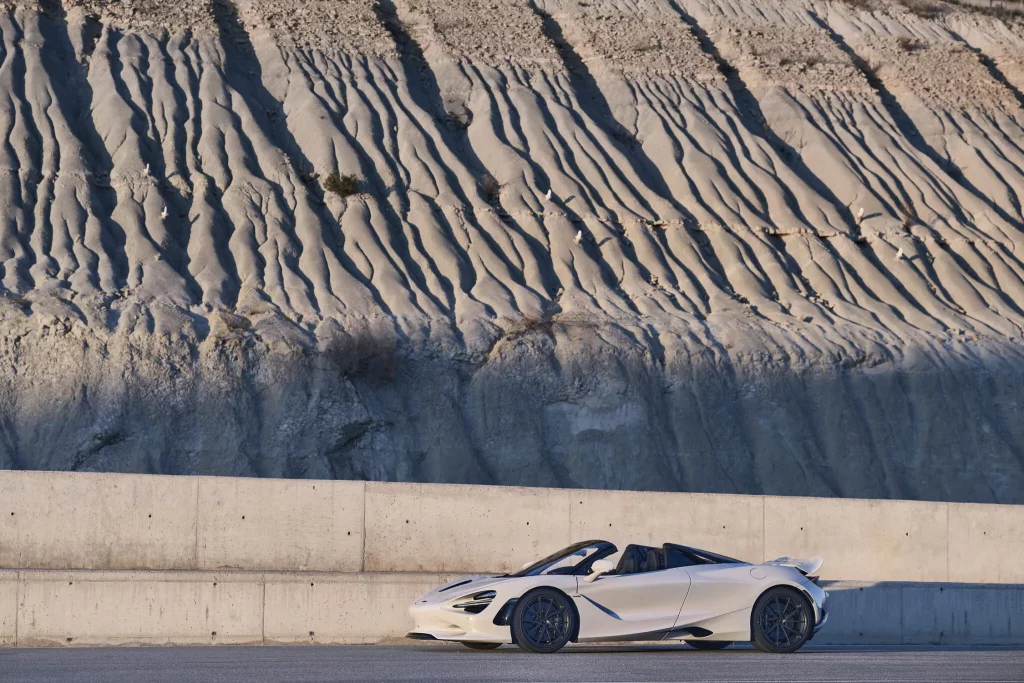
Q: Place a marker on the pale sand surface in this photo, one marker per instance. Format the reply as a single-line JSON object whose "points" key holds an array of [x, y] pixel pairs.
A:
{"points": [[779, 253]]}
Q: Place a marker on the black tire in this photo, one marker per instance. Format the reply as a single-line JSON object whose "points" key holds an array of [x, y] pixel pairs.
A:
{"points": [[782, 621], [709, 644], [482, 646], [544, 621]]}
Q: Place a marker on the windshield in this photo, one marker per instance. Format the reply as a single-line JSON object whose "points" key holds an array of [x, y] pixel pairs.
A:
{"points": [[698, 556], [569, 560]]}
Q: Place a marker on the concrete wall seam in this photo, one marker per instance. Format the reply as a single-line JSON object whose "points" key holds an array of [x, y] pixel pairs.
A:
{"points": [[568, 496], [362, 551], [764, 516], [903, 628], [946, 505], [195, 556]]}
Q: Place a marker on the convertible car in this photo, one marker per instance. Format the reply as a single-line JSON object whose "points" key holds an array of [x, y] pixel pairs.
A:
{"points": [[669, 593]]}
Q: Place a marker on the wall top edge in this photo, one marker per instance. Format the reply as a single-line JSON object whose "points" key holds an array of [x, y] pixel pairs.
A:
{"points": [[380, 486]]}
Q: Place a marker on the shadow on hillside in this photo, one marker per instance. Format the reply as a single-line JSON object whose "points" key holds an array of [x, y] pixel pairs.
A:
{"points": [[566, 409]]}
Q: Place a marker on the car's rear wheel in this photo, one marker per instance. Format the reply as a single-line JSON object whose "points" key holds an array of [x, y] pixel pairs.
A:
{"points": [[709, 644], [782, 621], [482, 646], [544, 621]]}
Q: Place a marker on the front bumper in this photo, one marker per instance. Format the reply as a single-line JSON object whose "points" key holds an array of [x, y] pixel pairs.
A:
{"points": [[437, 621]]}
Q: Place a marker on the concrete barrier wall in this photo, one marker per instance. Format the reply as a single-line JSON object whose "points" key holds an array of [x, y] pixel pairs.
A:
{"points": [[907, 613], [279, 524], [431, 527], [97, 521], [862, 539], [62, 520], [341, 608], [58, 608], [81, 608], [139, 608], [8, 608], [121, 522]]}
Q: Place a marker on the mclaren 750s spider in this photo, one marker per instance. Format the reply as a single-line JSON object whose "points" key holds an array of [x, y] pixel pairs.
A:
{"points": [[674, 592]]}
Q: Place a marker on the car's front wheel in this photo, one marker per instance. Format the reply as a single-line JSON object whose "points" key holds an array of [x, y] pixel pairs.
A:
{"points": [[544, 621], [481, 646], [782, 621], [709, 644]]}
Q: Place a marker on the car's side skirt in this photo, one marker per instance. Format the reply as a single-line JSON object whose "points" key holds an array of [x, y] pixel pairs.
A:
{"points": [[665, 634]]}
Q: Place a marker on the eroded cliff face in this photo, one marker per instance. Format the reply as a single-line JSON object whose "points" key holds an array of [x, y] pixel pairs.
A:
{"points": [[743, 246]]}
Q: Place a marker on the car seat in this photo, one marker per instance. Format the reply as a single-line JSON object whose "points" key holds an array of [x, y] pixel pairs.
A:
{"points": [[637, 559]]}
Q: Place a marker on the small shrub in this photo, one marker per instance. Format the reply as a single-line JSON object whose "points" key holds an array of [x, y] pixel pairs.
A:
{"points": [[344, 185], [491, 188], [908, 44]]}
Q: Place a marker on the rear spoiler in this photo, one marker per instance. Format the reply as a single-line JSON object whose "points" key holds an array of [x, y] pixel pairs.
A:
{"points": [[809, 566]]}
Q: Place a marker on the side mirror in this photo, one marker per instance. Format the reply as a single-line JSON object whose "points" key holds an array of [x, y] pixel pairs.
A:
{"points": [[599, 567]]}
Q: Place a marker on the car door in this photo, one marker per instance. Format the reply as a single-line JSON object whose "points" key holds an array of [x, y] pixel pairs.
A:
{"points": [[640, 606]]}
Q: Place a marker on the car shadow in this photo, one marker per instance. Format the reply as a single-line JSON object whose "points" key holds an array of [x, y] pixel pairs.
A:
{"points": [[738, 649]]}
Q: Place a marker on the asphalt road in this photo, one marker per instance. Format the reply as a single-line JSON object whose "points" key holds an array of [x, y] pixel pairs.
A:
{"points": [[454, 663]]}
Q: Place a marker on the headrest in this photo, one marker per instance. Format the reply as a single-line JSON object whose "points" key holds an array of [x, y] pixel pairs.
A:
{"points": [[630, 561], [637, 559]]}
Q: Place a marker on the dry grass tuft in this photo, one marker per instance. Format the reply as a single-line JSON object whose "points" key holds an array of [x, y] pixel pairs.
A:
{"points": [[908, 44], [344, 185]]}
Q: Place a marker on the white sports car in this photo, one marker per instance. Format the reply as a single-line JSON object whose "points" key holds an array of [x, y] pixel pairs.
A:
{"points": [[669, 593]]}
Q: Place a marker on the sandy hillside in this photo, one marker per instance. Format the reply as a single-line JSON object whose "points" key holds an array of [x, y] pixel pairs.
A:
{"points": [[742, 245]]}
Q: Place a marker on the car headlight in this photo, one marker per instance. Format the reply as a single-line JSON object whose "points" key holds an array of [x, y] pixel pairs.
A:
{"points": [[477, 603]]}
